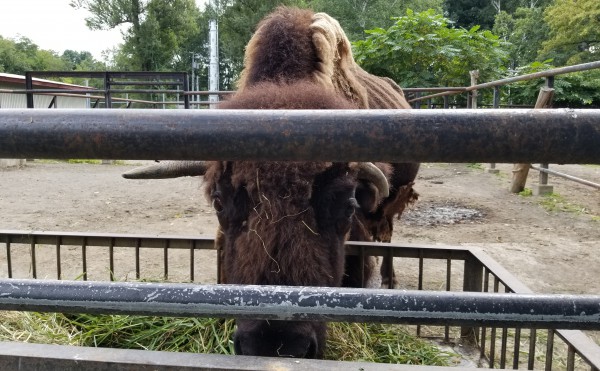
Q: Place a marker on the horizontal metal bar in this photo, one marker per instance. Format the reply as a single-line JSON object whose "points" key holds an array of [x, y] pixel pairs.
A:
{"points": [[109, 74], [60, 90], [145, 91], [207, 243], [21, 356], [517, 136], [304, 303], [147, 83], [437, 88], [510, 80], [566, 176], [552, 72], [104, 239]]}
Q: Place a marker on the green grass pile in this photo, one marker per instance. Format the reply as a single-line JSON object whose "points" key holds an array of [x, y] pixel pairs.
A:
{"points": [[346, 341]]}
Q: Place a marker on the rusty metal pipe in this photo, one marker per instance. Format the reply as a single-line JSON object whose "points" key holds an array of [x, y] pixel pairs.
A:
{"points": [[507, 135], [304, 303], [566, 176]]}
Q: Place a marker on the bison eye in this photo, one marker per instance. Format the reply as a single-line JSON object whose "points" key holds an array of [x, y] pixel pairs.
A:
{"points": [[216, 202], [351, 207]]}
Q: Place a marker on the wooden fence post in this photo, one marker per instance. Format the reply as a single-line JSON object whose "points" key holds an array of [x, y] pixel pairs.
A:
{"points": [[520, 171]]}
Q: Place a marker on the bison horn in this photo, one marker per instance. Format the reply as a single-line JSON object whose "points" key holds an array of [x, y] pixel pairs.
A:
{"points": [[167, 169], [370, 172]]}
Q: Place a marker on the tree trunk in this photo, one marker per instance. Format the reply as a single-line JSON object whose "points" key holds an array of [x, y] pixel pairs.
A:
{"points": [[520, 171]]}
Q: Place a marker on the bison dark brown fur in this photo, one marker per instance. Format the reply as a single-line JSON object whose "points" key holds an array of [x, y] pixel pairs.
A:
{"points": [[283, 223]]}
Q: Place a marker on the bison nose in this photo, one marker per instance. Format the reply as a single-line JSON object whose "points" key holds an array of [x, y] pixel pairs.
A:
{"points": [[275, 341]]}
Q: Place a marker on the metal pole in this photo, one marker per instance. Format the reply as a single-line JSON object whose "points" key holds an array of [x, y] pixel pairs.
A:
{"points": [[566, 176], [304, 303], [213, 69], [510, 136]]}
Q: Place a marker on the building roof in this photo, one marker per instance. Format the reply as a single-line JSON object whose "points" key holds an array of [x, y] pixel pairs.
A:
{"points": [[40, 83]]}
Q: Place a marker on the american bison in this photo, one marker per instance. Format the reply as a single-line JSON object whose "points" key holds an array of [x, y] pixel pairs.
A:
{"points": [[285, 223]]}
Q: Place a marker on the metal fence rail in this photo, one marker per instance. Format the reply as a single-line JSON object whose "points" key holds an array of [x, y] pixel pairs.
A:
{"points": [[458, 270], [565, 136], [288, 303]]}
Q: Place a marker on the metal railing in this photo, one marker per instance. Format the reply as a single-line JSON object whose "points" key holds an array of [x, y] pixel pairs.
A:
{"points": [[458, 270], [558, 135]]}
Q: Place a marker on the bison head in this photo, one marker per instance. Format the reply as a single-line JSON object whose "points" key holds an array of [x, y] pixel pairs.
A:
{"points": [[285, 223]]}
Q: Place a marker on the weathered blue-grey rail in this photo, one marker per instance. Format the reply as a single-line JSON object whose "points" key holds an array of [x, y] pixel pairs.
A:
{"points": [[304, 304], [546, 136]]}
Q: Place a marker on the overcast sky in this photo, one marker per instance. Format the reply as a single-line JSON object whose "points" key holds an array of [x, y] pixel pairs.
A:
{"points": [[54, 25]]}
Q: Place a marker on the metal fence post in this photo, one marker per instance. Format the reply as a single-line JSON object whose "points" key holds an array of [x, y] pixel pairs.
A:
{"points": [[472, 281], [492, 169]]}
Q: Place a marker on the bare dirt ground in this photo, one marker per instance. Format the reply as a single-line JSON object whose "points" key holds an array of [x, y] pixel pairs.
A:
{"points": [[550, 251]]}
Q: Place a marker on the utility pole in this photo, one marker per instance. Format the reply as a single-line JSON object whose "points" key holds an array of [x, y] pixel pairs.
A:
{"points": [[213, 67], [194, 82]]}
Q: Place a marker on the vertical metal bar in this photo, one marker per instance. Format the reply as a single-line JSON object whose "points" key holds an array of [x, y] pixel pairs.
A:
{"points": [[58, 265], [493, 331], [29, 88], [549, 350], [33, 263], [219, 263], [111, 258], [543, 177], [517, 349], [486, 283], [420, 282], [166, 260], [496, 101], [107, 94], [417, 103], [496, 98], [8, 258], [138, 243], [472, 282], [532, 341], [448, 276], [186, 88], [192, 248], [390, 267], [361, 264], [570, 358], [84, 258], [504, 350], [503, 347]]}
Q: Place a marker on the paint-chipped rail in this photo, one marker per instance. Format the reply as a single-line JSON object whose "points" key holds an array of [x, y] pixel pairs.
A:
{"points": [[304, 303], [508, 135]]}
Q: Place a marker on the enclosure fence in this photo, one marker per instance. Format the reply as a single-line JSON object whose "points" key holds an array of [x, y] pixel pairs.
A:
{"points": [[475, 298], [503, 318]]}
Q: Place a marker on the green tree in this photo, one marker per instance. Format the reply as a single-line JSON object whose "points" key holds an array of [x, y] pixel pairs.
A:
{"points": [[574, 31], [21, 55], [469, 13], [421, 50], [356, 16], [525, 30], [12, 59], [157, 32]]}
